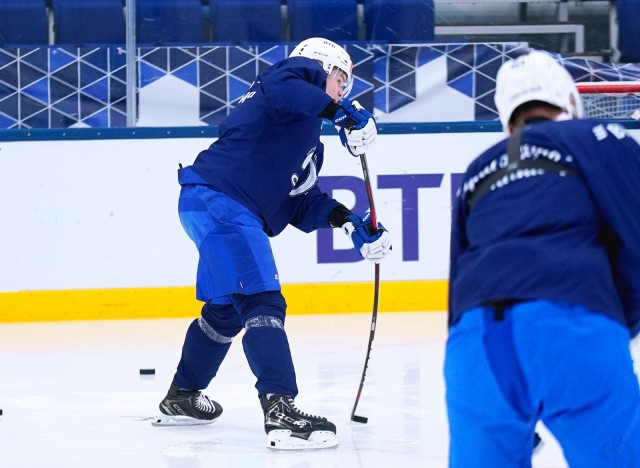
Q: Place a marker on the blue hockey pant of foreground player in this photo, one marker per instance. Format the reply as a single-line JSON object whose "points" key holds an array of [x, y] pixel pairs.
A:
{"points": [[238, 281], [555, 362]]}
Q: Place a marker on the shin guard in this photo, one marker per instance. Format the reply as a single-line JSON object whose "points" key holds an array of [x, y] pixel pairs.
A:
{"points": [[265, 342], [205, 347]]}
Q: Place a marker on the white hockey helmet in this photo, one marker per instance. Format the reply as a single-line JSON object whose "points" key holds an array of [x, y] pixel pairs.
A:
{"points": [[330, 55], [535, 76]]}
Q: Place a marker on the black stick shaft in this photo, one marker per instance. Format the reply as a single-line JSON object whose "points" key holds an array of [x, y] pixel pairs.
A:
{"points": [[376, 293], [367, 185]]}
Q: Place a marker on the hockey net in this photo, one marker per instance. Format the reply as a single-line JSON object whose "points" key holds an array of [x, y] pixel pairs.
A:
{"points": [[611, 99]]}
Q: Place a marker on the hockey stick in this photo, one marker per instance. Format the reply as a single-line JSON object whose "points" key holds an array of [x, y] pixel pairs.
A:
{"points": [[376, 293]]}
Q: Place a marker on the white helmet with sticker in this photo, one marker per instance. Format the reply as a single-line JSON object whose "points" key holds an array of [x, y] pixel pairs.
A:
{"points": [[535, 76], [330, 55]]}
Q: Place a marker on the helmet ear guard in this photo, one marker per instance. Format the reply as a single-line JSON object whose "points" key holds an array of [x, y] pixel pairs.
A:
{"points": [[535, 76], [330, 55]]}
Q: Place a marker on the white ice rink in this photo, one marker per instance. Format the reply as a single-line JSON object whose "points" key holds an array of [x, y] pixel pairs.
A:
{"points": [[72, 396]]}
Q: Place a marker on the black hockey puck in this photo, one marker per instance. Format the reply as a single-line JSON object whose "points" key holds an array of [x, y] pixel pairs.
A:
{"points": [[147, 371]]}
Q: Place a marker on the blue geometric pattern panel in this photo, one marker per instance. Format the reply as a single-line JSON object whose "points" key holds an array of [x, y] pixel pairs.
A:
{"points": [[59, 87], [472, 70]]}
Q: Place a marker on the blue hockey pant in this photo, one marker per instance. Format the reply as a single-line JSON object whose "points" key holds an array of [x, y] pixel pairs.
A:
{"points": [[238, 281], [555, 362]]}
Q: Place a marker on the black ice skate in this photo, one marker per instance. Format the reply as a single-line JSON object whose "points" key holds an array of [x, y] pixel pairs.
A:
{"points": [[186, 408], [288, 428]]}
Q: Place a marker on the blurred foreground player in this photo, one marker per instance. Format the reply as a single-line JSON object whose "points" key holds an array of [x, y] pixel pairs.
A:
{"points": [[545, 282], [257, 178]]}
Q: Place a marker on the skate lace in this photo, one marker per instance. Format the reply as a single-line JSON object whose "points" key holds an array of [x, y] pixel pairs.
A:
{"points": [[204, 404], [293, 406]]}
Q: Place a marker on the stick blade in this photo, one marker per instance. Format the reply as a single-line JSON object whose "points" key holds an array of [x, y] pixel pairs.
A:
{"points": [[359, 419]]}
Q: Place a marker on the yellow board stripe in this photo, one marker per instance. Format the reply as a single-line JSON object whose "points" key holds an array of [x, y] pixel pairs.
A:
{"points": [[172, 302]]}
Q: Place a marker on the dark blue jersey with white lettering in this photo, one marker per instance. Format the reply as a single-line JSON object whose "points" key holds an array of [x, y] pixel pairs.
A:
{"points": [[571, 237], [268, 154]]}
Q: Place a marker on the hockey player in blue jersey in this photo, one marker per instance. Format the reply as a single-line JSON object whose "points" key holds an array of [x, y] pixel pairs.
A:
{"points": [[257, 178], [545, 282]]}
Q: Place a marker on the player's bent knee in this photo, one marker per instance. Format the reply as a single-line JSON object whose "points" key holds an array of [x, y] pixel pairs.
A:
{"points": [[264, 321], [268, 303], [213, 334], [220, 323]]}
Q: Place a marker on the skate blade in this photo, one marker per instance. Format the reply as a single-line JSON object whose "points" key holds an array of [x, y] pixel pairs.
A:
{"points": [[281, 439], [172, 420]]}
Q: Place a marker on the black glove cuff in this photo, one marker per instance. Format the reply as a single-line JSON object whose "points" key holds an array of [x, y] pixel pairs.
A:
{"points": [[330, 111], [338, 216]]}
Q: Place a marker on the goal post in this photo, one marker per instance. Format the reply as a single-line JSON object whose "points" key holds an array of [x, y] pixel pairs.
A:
{"points": [[611, 99]]}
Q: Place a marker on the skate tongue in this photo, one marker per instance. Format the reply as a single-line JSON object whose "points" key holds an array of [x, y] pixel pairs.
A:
{"points": [[302, 413]]}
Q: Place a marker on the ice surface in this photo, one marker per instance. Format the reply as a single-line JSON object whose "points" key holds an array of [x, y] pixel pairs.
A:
{"points": [[72, 396]]}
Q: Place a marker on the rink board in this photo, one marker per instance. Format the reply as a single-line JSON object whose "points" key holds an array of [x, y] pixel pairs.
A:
{"points": [[91, 228], [175, 302]]}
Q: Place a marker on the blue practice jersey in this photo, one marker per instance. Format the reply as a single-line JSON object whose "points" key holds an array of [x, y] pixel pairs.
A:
{"points": [[269, 153], [548, 235]]}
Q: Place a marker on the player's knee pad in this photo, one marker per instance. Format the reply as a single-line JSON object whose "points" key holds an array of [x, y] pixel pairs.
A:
{"points": [[268, 304], [220, 323]]}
